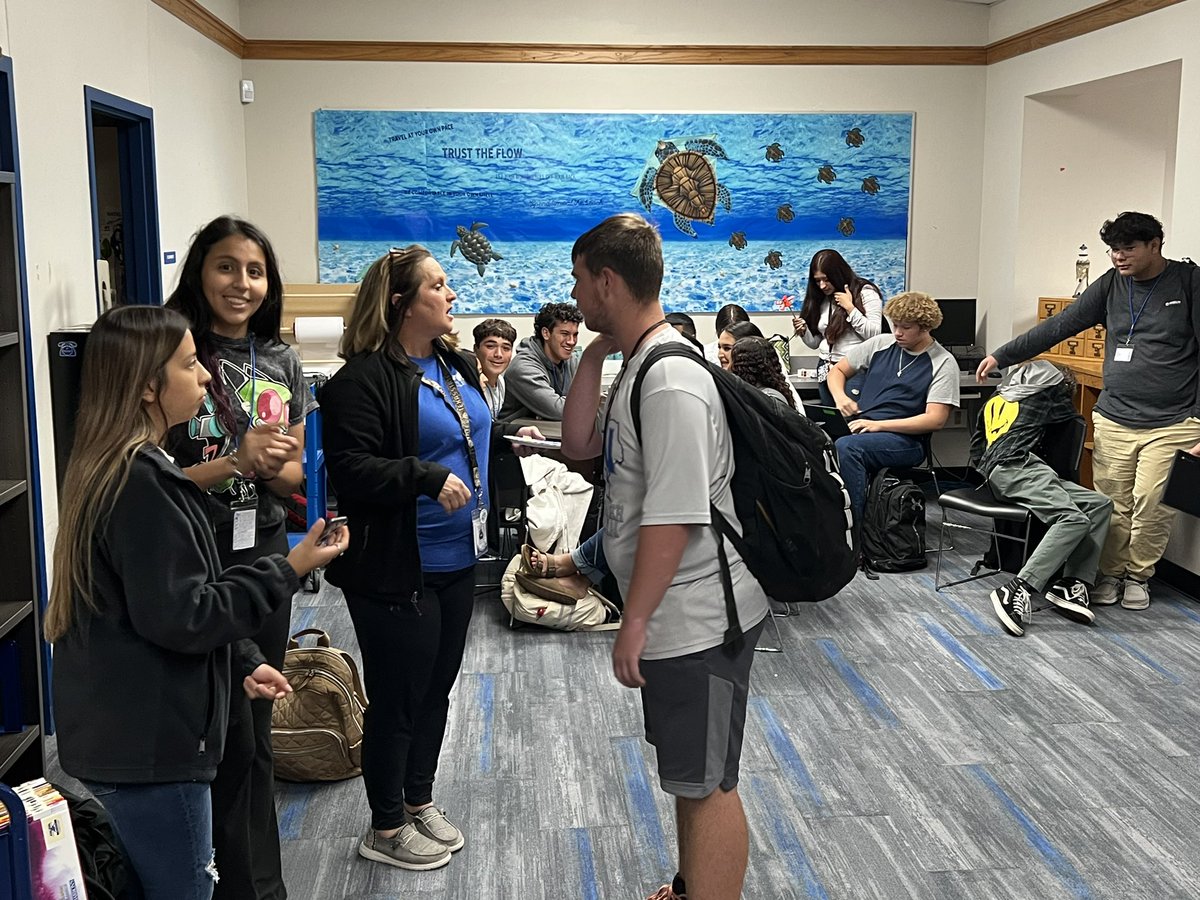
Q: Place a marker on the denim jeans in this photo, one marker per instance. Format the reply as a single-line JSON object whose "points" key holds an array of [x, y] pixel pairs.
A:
{"points": [[411, 654], [166, 830], [589, 558], [860, 456]]}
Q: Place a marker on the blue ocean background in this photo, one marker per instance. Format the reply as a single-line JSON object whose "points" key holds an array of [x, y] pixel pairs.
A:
{"points": [[539, 180]]}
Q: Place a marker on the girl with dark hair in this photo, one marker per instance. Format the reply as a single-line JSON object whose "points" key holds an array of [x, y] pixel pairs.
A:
{"points": [[729, 335], [729, 314], [840, 309], [407, 438], [244, 448], [755, 361], [142, 635]]}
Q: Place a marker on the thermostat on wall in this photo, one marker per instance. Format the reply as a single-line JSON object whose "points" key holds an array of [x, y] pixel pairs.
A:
{"points": [[247, 90]]}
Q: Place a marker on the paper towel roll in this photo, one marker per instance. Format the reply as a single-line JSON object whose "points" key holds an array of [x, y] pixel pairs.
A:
{"points": [[317, 337]]}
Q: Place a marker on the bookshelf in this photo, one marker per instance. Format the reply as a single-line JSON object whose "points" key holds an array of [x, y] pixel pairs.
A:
{"points": [[22, 586]]}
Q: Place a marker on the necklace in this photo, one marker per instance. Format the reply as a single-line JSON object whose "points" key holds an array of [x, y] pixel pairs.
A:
{"points": [[905, 365]]}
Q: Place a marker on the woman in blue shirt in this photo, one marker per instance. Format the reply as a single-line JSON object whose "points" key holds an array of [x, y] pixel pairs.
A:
{"points": [[407, 438]]}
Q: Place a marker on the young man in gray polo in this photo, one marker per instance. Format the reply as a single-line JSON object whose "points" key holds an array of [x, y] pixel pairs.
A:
{"points": [[1151, 400], [672, 643]]}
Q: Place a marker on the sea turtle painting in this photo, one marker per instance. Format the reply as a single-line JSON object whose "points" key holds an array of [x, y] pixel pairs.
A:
{"points": [[738, 240], [870, 185], [475, 247], [826, 174], [785, 213], [685, 181], [855, 137], [774, 259], [846, 226], [774, 152]]}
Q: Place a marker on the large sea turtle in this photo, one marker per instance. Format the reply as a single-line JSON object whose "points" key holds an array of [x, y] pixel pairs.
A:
{"points": [[685, 181], [475, 247]]}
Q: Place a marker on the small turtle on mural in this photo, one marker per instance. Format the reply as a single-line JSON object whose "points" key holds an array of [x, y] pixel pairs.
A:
{"points": [[855, 137], [846, 226], [774, 259], [738, 240], [685, 181], [826, 174], [785, 213], [774, 152], [870, 185], [475, 247]]}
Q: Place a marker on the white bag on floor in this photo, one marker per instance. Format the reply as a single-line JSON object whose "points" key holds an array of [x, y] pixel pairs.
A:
{"points": [[592, 613], [558, 504]]}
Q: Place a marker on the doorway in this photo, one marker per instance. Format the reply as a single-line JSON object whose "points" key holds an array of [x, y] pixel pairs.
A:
{"points": [[120, 135]]}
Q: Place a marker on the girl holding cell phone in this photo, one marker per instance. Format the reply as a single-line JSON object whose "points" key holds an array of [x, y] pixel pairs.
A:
{"points": [[244, 447], [144, 618]]}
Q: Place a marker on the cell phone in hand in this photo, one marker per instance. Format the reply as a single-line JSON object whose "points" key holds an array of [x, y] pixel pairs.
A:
{"points": [[330, 527]]}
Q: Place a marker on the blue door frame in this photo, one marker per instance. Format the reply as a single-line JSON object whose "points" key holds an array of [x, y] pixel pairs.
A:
{"points": [[139, 191]]}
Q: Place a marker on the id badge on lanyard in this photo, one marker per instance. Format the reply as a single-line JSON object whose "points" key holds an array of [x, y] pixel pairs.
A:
{"points": [[479, 540], [479, 530], [245, 524]]}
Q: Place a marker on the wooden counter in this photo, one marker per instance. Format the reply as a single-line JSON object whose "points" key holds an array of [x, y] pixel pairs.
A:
{"points": [[1089, 375]]}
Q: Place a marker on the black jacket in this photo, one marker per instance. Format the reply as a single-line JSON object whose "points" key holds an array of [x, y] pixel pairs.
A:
{"points": [[370, 409], [141, 689]]}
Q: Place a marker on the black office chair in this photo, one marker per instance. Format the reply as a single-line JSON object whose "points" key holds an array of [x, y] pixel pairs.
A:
{"points": [[1061, 448], [507, 517]]}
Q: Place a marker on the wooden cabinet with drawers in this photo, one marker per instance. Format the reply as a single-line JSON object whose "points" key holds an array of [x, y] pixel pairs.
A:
{"points": [[1088, 344]]}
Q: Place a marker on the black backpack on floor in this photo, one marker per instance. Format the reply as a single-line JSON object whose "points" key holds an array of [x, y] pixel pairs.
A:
{"points": [[790, 499], [893, 526]]}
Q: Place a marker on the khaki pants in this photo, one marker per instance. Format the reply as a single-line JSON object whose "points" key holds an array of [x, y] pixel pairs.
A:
{"points": [[1130, 465]]}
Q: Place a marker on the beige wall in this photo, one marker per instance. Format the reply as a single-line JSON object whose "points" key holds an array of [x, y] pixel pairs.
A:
{"points": [[135, 50]]}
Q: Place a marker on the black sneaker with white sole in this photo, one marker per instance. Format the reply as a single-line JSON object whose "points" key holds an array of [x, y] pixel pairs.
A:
{"points": [[1070, 599], [1012, 603]]}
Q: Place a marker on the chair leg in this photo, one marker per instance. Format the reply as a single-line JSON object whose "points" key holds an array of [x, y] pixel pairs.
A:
{"points": [[778, 634]]}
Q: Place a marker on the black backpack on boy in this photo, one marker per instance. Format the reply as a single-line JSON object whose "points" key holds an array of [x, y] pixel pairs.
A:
{"points": [[797, 536], [893, 526]]}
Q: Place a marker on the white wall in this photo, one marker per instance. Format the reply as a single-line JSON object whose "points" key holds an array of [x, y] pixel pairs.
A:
{"points": [[947, 154], [135, 50], [1154, 39], [777, 22]]}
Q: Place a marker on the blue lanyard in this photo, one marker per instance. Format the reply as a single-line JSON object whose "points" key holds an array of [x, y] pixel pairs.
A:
{"points": [[237, 439], [1133, 320]]}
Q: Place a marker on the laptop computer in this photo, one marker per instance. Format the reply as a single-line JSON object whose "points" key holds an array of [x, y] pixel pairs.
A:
{"points": [[829, 418], [1183, 484]]}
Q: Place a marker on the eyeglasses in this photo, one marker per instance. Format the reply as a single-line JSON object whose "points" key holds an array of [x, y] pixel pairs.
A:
{"points": [[1122, 252]]}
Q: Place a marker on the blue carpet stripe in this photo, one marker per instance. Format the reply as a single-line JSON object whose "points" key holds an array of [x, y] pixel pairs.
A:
{"points": [[647, 827], [955, 648], [1066, 873], [799, 866], [588, 888], [1140, 655], [978, 622], [294, 807], [859, 685], [1183, 608], [304, 618], [486, 699], [785, 752]]}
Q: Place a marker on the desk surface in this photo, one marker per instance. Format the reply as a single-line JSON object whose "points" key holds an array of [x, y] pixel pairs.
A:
{"points": [[965, 380]]}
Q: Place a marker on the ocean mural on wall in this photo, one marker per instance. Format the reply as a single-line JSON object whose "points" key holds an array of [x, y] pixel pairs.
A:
{"points": [[742, 200]]}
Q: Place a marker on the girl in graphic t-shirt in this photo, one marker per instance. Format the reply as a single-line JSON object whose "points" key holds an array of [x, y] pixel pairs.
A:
{"points": [[840, 309], [244, 448]]}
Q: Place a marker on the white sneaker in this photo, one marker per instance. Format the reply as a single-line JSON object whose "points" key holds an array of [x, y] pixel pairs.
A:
{"points": [[1136, 596], [1107, 591]]}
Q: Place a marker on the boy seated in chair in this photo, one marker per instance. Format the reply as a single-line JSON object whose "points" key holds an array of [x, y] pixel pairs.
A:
{"points": [[910, 387], [1033, 396]]}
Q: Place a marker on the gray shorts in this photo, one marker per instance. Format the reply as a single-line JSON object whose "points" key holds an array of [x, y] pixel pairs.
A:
{"points": [[695, 712]]}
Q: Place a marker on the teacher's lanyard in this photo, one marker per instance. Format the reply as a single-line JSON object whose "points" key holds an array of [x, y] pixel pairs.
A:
{"points": [[456, 405], [1133, 320]]}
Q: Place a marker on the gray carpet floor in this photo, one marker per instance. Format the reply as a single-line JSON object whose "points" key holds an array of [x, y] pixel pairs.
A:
{"points": [[902, 745]]}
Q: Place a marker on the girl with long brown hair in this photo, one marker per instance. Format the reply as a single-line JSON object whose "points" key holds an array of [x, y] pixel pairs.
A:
{"points": [[840, 309], [141, 614]]}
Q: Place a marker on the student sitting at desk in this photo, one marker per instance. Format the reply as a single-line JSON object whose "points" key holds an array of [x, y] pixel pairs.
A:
{"points": [[1031, 397], [544, 365], [494, 340], [910, 387]]}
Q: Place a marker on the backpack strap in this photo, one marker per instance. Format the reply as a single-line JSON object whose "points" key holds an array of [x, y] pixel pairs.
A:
{"points": [[717, 522]]}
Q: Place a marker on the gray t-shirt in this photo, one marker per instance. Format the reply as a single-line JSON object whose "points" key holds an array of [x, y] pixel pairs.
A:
{"points": [[685, 457], [1159, 383]]}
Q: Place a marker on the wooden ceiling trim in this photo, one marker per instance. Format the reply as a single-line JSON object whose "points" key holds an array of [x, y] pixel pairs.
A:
{"points": [[1085, 21], [192, 13]]}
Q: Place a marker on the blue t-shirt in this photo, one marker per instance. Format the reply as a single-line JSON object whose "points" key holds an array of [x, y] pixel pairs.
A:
{"points": [[899, 384], [446, 541]]}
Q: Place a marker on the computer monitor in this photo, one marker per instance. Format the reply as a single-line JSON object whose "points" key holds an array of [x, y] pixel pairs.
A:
{"points": [[958, 326]]}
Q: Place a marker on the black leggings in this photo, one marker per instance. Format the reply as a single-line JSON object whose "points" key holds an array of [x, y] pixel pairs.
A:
{"points": [[245, 829], [411, 654]]}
